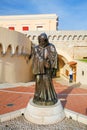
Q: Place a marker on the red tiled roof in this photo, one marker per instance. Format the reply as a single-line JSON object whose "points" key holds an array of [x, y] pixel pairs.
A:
{"points": [[72, 63]]}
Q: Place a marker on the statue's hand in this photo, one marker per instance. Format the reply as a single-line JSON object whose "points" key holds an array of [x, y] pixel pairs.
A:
{"points": [[47, 63]]}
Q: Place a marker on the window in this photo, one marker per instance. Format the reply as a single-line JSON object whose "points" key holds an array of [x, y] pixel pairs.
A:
{"points": [[39, 28], [11, 28], [82, 73], [25, 28]]}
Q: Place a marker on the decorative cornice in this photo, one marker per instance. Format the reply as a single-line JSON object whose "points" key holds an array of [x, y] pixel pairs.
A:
{"points": [[29, 17]]}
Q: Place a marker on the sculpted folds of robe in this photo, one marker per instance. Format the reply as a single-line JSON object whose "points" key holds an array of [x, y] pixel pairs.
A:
{"points": [[44, 68]]}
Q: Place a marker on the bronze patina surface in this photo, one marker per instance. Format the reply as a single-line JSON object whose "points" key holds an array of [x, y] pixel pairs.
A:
{"points": [[44, 68]]}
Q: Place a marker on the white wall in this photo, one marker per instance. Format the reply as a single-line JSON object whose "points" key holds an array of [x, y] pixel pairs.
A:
{"points": [[81, 72]]}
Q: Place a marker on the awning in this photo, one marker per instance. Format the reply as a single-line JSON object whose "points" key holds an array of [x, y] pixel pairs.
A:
{"points": [[72, 63]]}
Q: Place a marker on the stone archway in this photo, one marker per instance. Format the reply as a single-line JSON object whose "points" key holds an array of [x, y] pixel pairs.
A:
{"points": [[64, 59], [65, 66]]}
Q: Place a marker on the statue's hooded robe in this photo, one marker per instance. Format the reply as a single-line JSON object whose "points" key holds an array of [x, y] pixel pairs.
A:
{"points": [[44, 67]]}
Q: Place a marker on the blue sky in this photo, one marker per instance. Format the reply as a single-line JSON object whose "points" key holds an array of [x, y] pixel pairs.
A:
{"points": [[72, 13]]}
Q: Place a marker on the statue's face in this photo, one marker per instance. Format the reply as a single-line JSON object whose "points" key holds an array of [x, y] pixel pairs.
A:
{"points": [[43, 41]]}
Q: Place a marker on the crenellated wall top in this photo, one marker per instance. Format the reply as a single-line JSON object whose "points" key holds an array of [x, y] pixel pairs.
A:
{"points": [[60, 35], [15, 40]]}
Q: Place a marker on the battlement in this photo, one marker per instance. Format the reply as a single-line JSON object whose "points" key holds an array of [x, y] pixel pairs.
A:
{"points": [[13, 63], [15, 40], [60, 35]]}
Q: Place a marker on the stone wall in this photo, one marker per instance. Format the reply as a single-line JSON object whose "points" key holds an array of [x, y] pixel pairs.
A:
{"points": [[71, 46], [81, 72], [72, 43], [14, 50], [15, 46], [14, 69]]}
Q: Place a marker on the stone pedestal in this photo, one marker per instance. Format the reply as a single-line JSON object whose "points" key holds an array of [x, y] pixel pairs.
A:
{"points": [[44, 114]]}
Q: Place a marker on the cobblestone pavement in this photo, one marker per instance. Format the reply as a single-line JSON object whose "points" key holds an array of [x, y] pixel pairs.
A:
{"points": [[21, 124]]}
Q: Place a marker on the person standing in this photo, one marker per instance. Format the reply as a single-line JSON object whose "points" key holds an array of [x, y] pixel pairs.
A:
{"points": [[70, 75]]}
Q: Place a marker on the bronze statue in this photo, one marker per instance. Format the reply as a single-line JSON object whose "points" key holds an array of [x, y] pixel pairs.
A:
{"points": [[44, 69]]}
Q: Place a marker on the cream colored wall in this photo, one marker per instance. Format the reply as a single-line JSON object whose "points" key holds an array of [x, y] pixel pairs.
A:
{"points": [[14, 50], [80, 52], [15, 69], [81, 68], [71, 44], [48, 21], [15, 39]]}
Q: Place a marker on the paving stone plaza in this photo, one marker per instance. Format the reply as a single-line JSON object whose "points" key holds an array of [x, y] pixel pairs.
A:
{"points": [[21, 124]]}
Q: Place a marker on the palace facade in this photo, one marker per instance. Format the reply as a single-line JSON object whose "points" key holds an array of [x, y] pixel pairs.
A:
{"points": [[21, 30]]}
